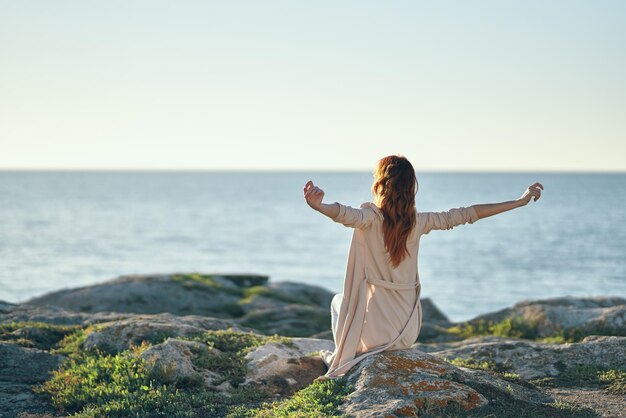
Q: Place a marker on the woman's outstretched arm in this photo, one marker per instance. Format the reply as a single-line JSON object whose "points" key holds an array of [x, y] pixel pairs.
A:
{"points": [[489, 209]]}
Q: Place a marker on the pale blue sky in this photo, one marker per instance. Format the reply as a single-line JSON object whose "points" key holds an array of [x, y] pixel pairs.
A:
{"points": [[486, 85]]}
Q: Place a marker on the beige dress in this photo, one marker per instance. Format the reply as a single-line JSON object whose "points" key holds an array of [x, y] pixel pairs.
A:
{"points": [[380, 308]]}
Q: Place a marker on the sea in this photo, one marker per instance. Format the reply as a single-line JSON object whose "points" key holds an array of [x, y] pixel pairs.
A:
{"points": [[65, 229]]}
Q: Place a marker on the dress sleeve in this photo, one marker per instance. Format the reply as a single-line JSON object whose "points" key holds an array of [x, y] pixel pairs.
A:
{"points": [[447, 219], [358, 218]]}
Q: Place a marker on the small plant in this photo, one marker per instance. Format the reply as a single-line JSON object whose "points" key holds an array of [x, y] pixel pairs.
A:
{"points": [[41, 335], [472, 364], [320, 399], [615, 380], [511, 326]]}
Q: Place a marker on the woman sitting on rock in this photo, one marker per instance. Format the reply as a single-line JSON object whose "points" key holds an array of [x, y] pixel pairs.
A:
{"points": [[380, 308]]}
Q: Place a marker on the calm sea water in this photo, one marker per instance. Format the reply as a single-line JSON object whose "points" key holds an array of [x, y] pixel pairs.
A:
{"points": [[68, 229]]}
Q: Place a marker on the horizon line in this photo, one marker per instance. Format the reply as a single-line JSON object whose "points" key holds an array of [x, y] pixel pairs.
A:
{"points": [[299, 170]]}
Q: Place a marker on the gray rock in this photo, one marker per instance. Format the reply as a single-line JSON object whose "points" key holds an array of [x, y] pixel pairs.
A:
{"points": [[290, 320], [6, 306], [18, 400], [284, 369], [431, 313], [173, 362], [176, 294], [533, 360], [413, 383], [26, 365], [586, 316], [119, 335], [311, 295], [56, 315]]}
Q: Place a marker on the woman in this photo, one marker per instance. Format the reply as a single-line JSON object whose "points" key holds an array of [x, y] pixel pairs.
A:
{"points": [[380, 308]]}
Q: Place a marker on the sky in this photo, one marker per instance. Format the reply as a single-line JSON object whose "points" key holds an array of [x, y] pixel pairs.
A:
{"points": [[324, 85]]}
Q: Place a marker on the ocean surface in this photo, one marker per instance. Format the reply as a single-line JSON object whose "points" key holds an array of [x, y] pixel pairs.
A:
{"points": [[68, 229]]}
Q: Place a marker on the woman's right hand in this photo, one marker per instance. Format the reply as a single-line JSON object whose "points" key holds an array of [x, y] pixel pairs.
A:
{"points": [[313, 195], [532, 191]]}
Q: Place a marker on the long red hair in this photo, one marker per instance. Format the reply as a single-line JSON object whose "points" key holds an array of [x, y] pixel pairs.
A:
{"points": [[394, 188]]}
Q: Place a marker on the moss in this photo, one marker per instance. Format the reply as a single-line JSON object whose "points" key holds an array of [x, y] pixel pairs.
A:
{"points": [[472, 364], [40, 335], [232, 347], [302, 322], [98, 384], [320, 399], [610, 379], [254, 291], [517, 327], [242, 281], [614, 379], [511, 326]]}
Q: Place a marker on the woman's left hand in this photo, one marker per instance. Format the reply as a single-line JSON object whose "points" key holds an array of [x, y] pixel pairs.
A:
{"points": [[313, 195]]}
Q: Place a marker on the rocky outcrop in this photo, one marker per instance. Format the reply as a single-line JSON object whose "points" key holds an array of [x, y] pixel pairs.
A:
{"points": [[285, 308], [282, 369], [206, 331], [532, 360], [569, 316], [179, 294], [413, 383], [115, 336], [173, 362]]}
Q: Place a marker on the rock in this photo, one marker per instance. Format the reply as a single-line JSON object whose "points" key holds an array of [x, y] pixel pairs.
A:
{"points": [[282, 369], [55, 315], [290, 320], [116, 336], [566, 315], [177, 294], [20, 368], [245, 280], [6, 306], [173, 362], [533, 360], [26, 365], [18, 400], [431, 313], [307, 294], [413, 383]]}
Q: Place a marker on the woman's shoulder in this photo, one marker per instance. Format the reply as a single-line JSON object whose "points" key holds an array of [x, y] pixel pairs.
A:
{"points": [[374, 208]]}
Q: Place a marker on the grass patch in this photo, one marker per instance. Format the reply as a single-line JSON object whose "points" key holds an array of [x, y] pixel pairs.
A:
{"points": [[517, 327], [472, 364], [610, 379], [232, 348], [615, 380], [511, 326], [252, 292], [100, 384], [320, 399], [40, 335]]}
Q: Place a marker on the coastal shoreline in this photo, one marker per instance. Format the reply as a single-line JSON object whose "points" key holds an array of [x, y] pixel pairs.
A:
{"points": [[223, 338]]}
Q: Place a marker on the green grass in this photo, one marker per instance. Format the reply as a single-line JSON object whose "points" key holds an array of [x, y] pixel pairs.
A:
{"points": [[472, 364], [517, 327], [509, 327], [615, 380], [100, 384], [251, 292], [40, 335], [233, 346], [320, 399]]}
